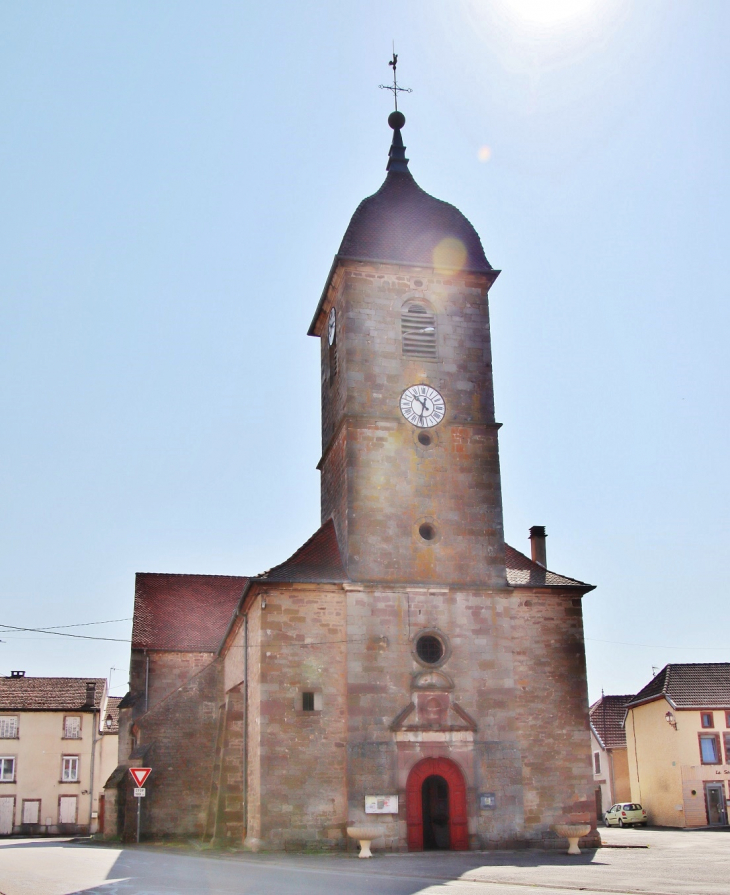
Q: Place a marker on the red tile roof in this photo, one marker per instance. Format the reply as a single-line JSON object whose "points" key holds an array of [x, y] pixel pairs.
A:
{"points": [[523, 572], [111, 708], [607, 720], [318, 561], [697, 685], [189, 613], [48, 693]]}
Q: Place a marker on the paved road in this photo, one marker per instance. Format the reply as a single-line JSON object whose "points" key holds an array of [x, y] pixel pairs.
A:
{"points": [[646, 862]]}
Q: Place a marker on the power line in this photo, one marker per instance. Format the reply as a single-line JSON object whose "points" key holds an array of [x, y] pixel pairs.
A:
{"points": [[62, 634]]}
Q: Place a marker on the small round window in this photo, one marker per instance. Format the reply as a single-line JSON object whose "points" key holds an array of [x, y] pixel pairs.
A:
{"points": [[429, 649]]}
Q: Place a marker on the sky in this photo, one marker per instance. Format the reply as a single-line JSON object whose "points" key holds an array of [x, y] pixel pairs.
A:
{"points": [[176, 179]]}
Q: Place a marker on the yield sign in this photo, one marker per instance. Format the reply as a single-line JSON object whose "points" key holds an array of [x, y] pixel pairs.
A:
{"points": [[140, 775]]}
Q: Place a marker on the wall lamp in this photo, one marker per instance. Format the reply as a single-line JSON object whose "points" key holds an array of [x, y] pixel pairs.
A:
{"points": [[671, 720]]}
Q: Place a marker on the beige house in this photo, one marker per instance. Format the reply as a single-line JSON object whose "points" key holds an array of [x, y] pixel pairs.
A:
{"points": [[678, 744], [608, 749], [58, 744]]}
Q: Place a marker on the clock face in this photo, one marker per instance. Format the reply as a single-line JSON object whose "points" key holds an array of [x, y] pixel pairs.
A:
{"points": [[423, 406], [331, 326]]}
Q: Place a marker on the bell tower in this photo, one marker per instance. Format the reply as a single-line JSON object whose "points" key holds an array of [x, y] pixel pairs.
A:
{"points": [[410, 460]]}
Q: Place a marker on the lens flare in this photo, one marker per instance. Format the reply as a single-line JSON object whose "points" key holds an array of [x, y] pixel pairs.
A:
{"points": [[484, 153], [449, 256]]}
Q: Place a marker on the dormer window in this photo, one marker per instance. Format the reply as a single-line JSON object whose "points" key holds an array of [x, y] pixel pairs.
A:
{"points": [[418, 331]]}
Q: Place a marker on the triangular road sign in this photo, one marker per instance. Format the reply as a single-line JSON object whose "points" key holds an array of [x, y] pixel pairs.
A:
{"points": [[140, 775]]}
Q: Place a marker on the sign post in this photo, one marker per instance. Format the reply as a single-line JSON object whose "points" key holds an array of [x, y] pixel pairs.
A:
{"points": [[139, 775]]}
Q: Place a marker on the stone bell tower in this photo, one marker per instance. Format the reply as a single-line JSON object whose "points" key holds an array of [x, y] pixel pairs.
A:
{"points": [[410, 461]]}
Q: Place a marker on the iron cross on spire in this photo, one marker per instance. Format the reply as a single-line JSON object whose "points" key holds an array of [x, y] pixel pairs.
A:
{"points": [[395, 89]]}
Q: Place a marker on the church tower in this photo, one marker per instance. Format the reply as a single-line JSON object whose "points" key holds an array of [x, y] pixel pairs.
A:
{"points": [[410, 462], [404, 665]]}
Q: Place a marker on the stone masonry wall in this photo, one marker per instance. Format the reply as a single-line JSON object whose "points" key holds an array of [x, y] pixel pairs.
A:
{"points": [[168, 670], [551, 710], [391, 484], [180, 732], [383, 625], [301, 754]]}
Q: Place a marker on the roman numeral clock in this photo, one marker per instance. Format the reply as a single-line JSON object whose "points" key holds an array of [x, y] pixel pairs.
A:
{"points": [[422, 406]]}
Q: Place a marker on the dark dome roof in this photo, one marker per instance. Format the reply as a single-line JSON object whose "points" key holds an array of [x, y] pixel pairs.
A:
{"points": [[404, 224]]}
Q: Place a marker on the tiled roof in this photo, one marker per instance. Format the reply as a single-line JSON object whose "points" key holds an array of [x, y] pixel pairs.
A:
{"points": [[402, 223], [607, 718], [695, 685], [48, 693], [183, 612], [318, 560], [111, 708], [523, 572]]}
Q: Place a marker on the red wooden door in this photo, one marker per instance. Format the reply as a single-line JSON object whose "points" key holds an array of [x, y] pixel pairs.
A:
{"points": [[458, 827]]}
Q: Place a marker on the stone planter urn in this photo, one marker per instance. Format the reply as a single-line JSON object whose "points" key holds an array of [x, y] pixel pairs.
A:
{"points": [[365, 834], [572, 832]]}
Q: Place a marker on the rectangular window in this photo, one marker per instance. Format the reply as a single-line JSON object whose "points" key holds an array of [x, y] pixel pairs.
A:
{"points": [[727, 719], [597, 762], [31, 811], [308, 702], [72, 727], [726, 737], [70, 769], [707, 719], [7, 768], [8, 727], [709, 748]]}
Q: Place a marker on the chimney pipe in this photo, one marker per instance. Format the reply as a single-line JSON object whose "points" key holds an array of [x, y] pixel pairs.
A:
{"points": [[90, 694], [537, 543]]}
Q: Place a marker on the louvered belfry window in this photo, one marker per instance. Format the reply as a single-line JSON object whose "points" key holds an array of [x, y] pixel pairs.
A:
{"points": [[418, 330]]}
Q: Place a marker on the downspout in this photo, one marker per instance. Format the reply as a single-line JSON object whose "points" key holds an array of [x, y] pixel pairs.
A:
{"points": [[636, 756], [245, 724], [147, 682], [91, 765]]}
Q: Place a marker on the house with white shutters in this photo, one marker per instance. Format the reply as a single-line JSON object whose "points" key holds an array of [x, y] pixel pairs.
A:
{"points": [[58, 745]]}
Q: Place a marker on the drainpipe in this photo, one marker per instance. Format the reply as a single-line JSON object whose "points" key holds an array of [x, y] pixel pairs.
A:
{"points": [[245, 723], [91, 768], [147, 682]]}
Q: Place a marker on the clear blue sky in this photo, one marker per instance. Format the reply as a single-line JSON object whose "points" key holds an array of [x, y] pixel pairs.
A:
{"points": [[176, 178]]}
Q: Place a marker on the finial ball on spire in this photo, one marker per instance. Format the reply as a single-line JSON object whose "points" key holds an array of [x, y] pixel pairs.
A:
{"points": [[396, 120]]}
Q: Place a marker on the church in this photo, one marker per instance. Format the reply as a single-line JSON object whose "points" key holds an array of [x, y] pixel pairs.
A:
{"points": [[405, 666]]}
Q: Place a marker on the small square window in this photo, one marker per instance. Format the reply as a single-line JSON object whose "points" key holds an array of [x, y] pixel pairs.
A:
{"points": [[8, 727], [7, 768], [707, 719], [72, 727], [70, 769]]}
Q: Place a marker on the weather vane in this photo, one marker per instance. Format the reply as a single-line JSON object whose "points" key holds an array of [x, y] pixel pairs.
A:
{"points": [[395, 89]]}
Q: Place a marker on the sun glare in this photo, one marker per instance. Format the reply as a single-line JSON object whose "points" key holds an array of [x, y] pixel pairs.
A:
{"points": [[550, 12]]}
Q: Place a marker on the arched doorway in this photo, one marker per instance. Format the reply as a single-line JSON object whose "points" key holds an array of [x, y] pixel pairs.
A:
{"points": [[436, 806]]}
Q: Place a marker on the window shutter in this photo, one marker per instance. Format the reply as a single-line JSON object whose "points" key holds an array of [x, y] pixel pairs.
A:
{"points": [[418, 331]]}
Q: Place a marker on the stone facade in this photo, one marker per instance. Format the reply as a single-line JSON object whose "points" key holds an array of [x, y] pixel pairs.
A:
{"points": [[404, 650]]}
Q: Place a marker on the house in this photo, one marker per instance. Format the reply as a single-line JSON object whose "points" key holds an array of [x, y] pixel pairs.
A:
{"points": [[404, 664], [58, 744], [608, 746], [678, 745]]}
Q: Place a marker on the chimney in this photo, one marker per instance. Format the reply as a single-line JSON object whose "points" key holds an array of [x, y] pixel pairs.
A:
{"points": [[90, 694], [537, 542]]}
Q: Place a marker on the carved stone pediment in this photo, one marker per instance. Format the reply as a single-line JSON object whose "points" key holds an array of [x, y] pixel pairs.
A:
{"points": [[431, 710], [432, 680]]}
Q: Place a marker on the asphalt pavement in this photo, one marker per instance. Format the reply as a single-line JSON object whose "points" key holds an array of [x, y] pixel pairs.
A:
{"points": [[641, 861]]}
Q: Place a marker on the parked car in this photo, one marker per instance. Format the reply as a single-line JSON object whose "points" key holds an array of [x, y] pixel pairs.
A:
{"points": [[625, 814]]}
